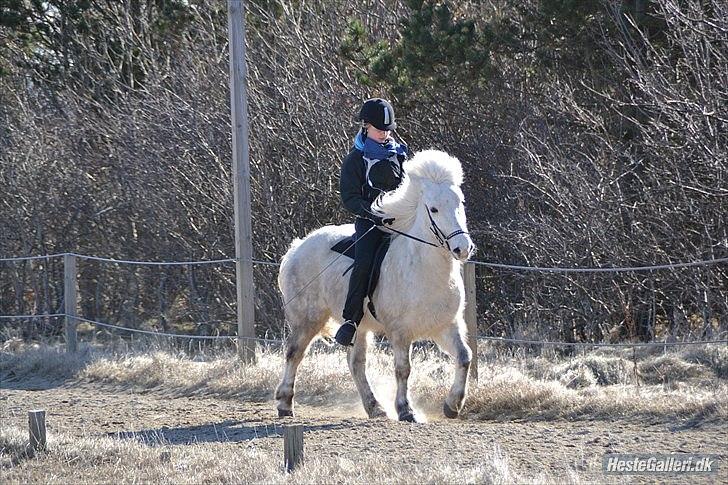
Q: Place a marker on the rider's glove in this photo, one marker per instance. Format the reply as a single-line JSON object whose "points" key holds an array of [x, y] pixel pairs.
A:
{"points": [[380, 221]]}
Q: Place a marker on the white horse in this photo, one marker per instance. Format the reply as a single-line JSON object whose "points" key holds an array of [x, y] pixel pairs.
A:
{"points": [[420, 293]]}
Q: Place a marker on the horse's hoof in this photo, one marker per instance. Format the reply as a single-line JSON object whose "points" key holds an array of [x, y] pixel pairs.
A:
{"points": [[407, 417], [282, 413], [449, 412], [377, 412]]}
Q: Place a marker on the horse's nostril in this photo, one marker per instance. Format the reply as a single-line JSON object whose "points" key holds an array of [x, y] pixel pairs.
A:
{"points": [[456, 251]]}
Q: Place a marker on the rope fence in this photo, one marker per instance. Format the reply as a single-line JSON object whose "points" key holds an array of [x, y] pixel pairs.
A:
{"points": [[544, 269], [629, 269], [152, 263], [72, 318]]}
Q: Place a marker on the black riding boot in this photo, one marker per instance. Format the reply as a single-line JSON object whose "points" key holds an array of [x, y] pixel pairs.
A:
{"points": [[364, 251], [345, 334]]}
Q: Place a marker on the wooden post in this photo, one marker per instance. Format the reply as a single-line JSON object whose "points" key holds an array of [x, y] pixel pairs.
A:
{"points": [[70, 299], [471, 316], [292, 446], [241, 183], [37, 430]]}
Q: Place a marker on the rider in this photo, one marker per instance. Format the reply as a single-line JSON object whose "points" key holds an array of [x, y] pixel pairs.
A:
{"points": [[373, 166]]}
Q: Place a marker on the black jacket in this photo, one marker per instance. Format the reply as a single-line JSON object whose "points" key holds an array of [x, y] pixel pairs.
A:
{"points": [[358, 193]]}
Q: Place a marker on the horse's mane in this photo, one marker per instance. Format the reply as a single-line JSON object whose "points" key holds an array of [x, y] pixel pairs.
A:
{"points": [[437, 166], [433, 165]]}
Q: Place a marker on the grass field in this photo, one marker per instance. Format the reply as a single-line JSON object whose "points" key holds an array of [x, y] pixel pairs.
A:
{"points": [[689, 387]]}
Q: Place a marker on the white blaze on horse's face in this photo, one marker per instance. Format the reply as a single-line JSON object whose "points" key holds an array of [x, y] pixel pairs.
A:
{"points": [[445, 204]]}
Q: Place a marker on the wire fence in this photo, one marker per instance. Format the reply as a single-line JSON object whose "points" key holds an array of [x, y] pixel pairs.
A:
{"points": [[31, 317], [500, 266], [283, 341], [175, 335], [542, 269]]}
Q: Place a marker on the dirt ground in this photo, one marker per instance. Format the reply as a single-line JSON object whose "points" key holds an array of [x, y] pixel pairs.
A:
{"points": [[556, 448]]}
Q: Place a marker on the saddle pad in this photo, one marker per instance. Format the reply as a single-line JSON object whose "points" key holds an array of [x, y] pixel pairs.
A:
{"points": [[345, 246]]}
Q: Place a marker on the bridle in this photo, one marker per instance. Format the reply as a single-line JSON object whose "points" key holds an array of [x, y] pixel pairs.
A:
{"points": [[442, 239], [439, 234]]}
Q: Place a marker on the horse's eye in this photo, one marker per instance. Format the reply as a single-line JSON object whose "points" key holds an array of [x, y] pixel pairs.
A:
{"points": [[433, 210]]}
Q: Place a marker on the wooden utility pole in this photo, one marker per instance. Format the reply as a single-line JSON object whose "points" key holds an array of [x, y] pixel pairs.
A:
{"points": [[241, 182]]}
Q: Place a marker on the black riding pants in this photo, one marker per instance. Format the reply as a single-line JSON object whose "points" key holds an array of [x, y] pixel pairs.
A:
{"points": [[365, 250]]}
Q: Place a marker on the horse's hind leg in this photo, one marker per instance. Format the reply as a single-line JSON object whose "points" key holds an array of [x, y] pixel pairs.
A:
{"points": [[296, 346], [357, 358], [452, 341]]}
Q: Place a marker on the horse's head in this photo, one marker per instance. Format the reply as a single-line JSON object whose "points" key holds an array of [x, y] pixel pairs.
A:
{"points": [[444, 205], [431, 192]]}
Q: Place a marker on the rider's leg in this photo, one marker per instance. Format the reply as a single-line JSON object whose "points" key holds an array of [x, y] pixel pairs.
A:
{"points": [[364, 252]]}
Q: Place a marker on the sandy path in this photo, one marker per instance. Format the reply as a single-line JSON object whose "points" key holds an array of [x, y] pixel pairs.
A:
{"points": [[555, 447]]}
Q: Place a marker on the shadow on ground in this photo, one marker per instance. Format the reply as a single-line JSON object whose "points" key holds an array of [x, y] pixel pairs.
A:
{"points": [[228, 431], [9, 381]]}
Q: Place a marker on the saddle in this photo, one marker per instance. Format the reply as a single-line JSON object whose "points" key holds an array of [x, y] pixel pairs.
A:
{"points": [[346, 247]]}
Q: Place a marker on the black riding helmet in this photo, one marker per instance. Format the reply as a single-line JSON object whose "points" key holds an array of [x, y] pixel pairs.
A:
{"points": [[379, 113]]}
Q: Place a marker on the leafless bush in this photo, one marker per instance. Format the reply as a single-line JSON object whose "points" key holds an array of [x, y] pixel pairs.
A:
{"points": [[132, 160], [627, 174], [125, 152]]}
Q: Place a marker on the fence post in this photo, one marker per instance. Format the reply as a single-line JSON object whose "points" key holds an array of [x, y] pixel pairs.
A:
{"points": [[471, 316], [70, 299], [292, 446], [37, 430]]}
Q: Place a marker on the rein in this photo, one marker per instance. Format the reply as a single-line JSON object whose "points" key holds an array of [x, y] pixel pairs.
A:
{"points": [[414, 237], [439, 234]]}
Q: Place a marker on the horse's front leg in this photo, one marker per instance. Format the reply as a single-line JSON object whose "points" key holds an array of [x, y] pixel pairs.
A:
{"points": [[452, 341], [402, 350]]}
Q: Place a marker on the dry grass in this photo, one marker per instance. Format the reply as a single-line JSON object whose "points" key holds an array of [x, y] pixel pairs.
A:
{"points": [[70, 459], [23, 362], [714, 357], [688, 386], [603, 385]]}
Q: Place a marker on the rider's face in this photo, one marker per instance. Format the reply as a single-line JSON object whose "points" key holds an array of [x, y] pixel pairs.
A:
{"points": [[379, 136]]}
